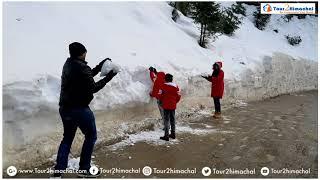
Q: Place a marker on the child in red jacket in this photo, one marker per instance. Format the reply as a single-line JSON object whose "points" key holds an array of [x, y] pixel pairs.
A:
{"points": [[158, 80], [169, 96], [217, 88]]}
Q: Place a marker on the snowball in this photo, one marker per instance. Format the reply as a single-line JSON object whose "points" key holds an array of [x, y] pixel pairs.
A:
{"points": [[108, 66]]}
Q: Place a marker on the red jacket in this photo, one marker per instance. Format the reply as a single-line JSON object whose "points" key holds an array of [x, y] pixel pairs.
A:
{"points": [[169, 96], [158, 83], [217, 87]]}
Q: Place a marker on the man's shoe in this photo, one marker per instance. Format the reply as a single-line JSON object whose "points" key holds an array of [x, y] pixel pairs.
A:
{"points": [[172, 136], [166, 138], [87, 174]]}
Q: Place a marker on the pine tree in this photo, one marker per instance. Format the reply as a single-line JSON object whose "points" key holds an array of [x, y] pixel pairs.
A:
{"points": [[238, 8], [175, 15], [208, 15], [183, 7], [229, 22], [288, 17], [261, 20]]}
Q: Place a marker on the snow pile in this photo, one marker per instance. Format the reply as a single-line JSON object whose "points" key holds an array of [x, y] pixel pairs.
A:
{"points": [[136, 35]]}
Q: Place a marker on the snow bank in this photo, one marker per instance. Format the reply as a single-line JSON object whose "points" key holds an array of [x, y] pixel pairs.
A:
{"points": [[135, 35]]}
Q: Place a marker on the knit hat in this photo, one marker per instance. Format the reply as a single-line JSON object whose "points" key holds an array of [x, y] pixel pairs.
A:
{"points": [[168, 77], [76, 49]]}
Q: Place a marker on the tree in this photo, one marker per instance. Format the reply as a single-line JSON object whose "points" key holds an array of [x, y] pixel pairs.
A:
{"points": [[229, 22], [172, 3], [238, 8], [208, 15], [261, 20], [183, 7], [293, 40], [301, 16], [175, 15], [287, 17]]}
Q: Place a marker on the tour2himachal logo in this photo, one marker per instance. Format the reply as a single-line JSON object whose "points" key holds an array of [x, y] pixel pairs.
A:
{"points": [[267, 8]]}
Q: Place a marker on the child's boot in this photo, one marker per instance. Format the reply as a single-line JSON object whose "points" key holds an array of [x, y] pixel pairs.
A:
{"points": [[217, 115], [165, 138], [214, 115]]}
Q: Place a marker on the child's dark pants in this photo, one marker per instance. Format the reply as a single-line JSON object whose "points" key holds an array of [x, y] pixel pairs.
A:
{"points": [[217, 106], [169, 117]]}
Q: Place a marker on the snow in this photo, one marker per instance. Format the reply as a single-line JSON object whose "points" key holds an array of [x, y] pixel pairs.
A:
{"points": [[120, 31], [73, 162], [109, 66], [135, 35], [265, 42], [152, 137]]}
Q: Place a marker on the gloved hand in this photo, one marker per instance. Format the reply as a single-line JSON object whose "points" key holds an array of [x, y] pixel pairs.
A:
{"points": [[107, 59], [112, 73], [99, 66], [151, 68], [204, 76], [109, 76]]}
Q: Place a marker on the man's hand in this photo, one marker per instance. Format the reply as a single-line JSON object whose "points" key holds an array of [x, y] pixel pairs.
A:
{"points": [[108, 77], [151, 68], [208, 78], [112, 74], [107, 59], [102, 62], [155, 70]]}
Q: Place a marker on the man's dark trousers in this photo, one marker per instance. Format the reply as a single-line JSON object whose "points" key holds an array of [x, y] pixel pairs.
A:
{"points": [[73, 118]]}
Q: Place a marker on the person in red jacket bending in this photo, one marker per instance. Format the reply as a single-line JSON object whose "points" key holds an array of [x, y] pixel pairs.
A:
{"points": [[158, 80], [169, 96], [217, 87]]}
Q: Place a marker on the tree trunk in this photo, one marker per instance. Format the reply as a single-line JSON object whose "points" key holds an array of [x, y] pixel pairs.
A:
{"points": [[201, 34]]}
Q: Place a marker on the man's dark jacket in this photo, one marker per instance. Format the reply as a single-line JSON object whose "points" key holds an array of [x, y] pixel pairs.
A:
{"points": [[78, 85]]}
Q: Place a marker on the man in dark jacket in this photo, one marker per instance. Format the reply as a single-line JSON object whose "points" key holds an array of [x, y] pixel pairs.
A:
{"points": [[77, 88]]}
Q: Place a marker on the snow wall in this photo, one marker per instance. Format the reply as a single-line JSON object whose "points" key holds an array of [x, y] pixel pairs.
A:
{"points": [[33, 129]]}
